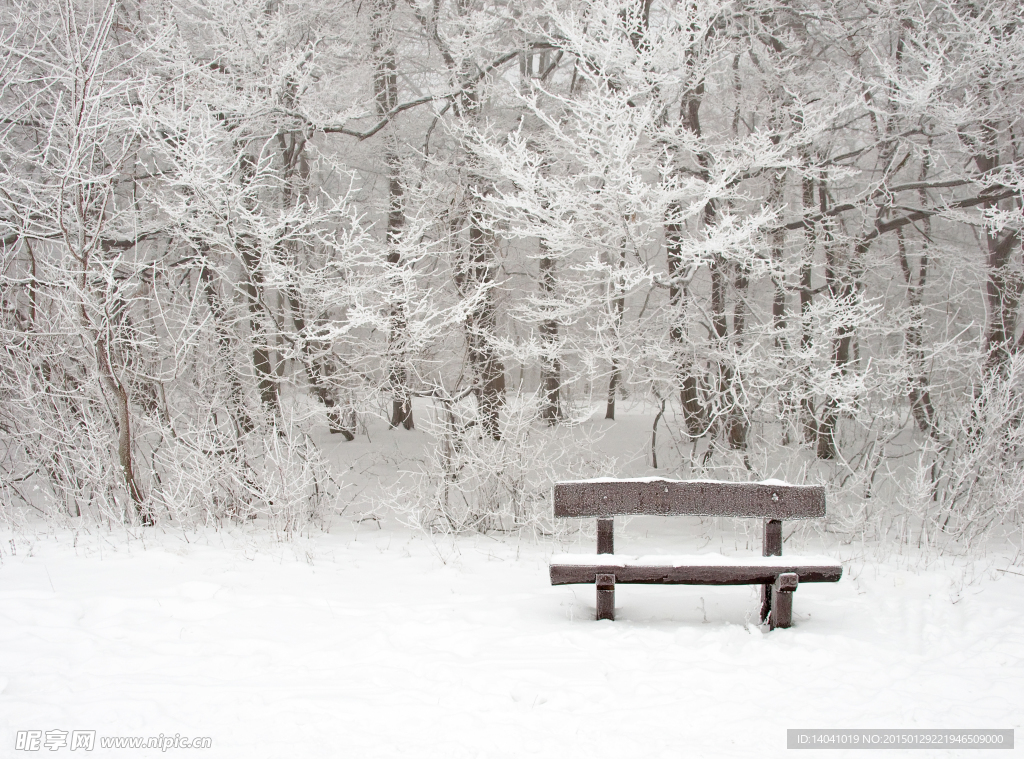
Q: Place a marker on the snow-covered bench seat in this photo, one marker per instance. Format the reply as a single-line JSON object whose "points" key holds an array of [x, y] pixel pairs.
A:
{"points": [[772, 501]]}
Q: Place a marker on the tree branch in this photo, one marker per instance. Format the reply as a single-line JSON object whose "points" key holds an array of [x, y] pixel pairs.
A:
{"points": [[881, 228], [386, 119]]}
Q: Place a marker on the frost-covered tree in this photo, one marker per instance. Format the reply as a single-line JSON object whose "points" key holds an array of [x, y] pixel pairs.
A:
{"points": [[790, 234], [73, 268]]}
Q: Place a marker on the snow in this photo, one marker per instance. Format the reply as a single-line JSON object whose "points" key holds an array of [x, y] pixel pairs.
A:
{"points": [[597, 480], [692, 560], [374, 642]]}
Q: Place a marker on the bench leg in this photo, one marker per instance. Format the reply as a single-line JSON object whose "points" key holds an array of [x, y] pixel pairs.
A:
{"points": [[782, 600], [771, 546], [606, 597]]}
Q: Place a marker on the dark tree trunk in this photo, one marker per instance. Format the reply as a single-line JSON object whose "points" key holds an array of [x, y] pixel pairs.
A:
{"points": [[738, 424], [474, 271], [385, 91], [1002, 295], [618, 308], [118, 397], [637, 22], [613, 384], [296, 173], [1005, 283], [777, 245], [481, 326], [689, 395], [253, 288], [918, 394], [551, 365], [840, 281], [808, 420], [695, 410], [337, 420], [225, 348]]}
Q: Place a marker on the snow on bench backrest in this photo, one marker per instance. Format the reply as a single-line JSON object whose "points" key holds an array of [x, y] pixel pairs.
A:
{"points": [[771, 499]]}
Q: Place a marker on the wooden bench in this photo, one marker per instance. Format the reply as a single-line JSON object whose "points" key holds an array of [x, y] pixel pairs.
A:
{"points": [[771, 501]]}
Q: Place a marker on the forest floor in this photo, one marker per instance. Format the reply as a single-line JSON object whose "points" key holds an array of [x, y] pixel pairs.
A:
{"points": [[374, 640]]}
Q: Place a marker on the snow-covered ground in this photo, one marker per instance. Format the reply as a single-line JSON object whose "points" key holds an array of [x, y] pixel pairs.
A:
{"points": [[370, 642], [378, 641]]}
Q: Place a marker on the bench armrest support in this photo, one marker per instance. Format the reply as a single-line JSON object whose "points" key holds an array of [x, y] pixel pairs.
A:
{"points": [[606, 536]]}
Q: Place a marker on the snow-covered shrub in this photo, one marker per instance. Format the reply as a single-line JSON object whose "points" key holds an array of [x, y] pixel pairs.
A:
{"points": [[970, 480], [279, 480], [470, 481]]}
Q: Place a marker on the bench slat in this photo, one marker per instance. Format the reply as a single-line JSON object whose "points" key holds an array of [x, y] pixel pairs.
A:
{"points": [[652, 496], [691, 570]]}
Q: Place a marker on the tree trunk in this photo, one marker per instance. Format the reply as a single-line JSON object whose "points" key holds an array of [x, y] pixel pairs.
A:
{"points": [[918, 394], [385, 92], [225, 349], [689, 396], [777, 245], [1005, 283], [551, 364], [839, 280], [738, 424], [618, 308], [122, 417], [695, 409], [296, 175], [474, 275], [808, 421], [253, 289], [118, 397], [481, 329]]}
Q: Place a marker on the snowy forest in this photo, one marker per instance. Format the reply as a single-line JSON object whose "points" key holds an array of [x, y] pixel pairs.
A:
{"points": [[786, 237]]}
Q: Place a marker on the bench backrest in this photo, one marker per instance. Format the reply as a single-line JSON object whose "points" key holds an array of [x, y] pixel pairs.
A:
{"points": [[650, 496]]}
